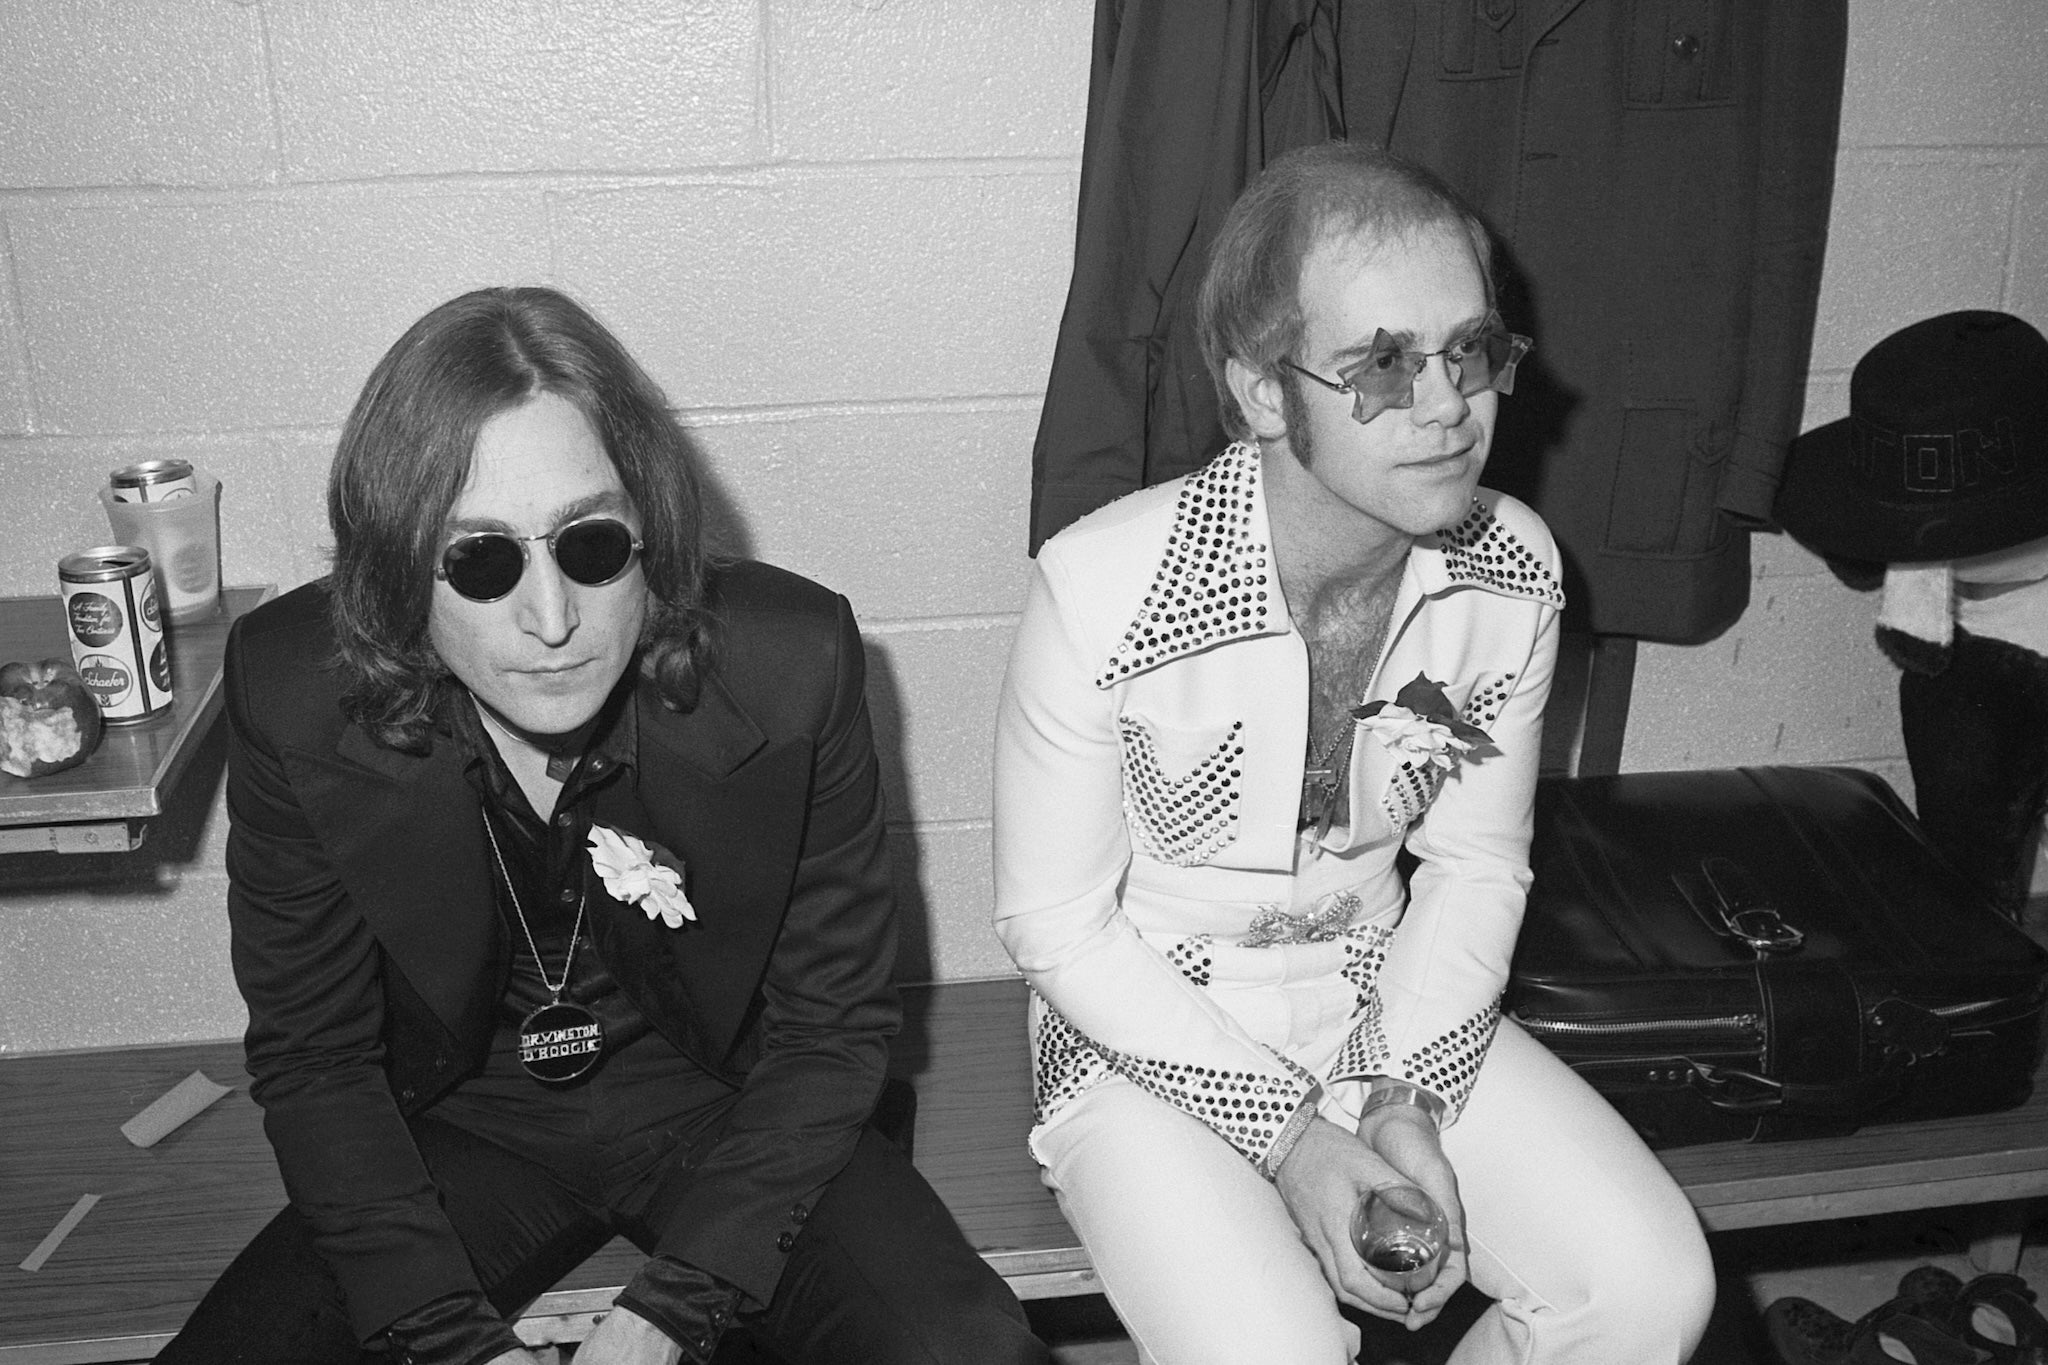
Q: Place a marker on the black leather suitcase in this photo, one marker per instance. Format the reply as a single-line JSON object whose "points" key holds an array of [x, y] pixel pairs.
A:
{"points": [[1768, 953]]}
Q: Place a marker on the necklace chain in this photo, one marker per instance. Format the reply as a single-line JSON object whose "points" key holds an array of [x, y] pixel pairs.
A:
{"points": [[555, 988], [1324, 773]]}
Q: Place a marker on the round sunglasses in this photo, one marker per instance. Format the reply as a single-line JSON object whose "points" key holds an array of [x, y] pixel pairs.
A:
{"points": [[486, 565]]}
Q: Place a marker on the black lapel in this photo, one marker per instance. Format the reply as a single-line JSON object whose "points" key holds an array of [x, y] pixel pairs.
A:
{"points": [[714, 791], [406, 836]]}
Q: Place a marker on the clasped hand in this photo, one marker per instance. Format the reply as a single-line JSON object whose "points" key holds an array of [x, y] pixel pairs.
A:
{"points": [[1330, 1171], [622, 1338]]}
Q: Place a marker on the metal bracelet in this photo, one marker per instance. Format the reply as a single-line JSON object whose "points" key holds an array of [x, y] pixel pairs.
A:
{"points": [[1388, 1093], [1297, 1124]]}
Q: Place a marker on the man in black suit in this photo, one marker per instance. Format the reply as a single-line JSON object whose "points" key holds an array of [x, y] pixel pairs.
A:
{"points": [[560, 901]]}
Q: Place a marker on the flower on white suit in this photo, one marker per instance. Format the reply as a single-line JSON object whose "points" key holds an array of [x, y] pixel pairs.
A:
{"points": [[1420, 726], [1413, 737], [633, 877]]}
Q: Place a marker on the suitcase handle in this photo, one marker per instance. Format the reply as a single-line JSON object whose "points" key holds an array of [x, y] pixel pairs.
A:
{"points": [[1736, 1091], [1731, 906]]}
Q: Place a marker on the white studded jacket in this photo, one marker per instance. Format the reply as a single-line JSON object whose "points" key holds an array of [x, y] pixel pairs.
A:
{"points": [[1148, 780]]}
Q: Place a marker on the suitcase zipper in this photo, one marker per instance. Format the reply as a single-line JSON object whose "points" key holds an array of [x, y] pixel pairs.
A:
{"points": [[1971, 1007], [1728, 1023], [1751, 1024]]}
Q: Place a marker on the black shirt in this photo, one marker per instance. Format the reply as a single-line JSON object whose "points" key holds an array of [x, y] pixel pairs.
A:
{"points": [[546, 891]]}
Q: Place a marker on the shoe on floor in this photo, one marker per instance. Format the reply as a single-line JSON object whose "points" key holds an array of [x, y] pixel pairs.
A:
{"points": [[1995, 1314], [1908, 1329]]}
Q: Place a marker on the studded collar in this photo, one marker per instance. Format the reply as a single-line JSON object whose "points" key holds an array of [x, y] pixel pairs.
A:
{"points": [[1217, 579]]}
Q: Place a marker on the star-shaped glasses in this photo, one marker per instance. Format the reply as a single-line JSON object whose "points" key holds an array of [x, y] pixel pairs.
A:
{"points": [[1385, 377]]}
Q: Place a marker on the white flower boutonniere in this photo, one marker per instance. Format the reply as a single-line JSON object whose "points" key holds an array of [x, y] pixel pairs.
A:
{"points": [[1420, 726], [633, 877], [1413, 738]]}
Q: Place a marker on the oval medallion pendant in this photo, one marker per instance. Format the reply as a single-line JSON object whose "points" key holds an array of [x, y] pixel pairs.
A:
{"points": [[559, 1042]]}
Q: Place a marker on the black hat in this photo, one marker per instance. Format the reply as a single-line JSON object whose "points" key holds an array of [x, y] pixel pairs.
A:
{"points": [[1944, 453]]}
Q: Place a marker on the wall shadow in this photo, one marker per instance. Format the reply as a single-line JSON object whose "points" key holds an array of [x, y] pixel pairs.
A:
{"points": [[1530, 432], [174, 843], [727, 533], [888, 711]]}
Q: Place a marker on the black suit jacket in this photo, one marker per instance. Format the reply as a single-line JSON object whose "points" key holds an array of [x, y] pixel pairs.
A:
{"points": [[368, 948]]}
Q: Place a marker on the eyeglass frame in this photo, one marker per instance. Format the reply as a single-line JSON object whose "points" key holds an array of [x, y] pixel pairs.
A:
{"points": [[526, 555], [1502, 381]]}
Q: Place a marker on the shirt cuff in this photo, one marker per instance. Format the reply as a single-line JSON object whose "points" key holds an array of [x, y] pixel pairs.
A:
{"points": [[455, 1329], [691, 1307]]}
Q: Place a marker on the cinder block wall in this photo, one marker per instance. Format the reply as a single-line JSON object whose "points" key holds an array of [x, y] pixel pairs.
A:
{"points": [[838, 232]]}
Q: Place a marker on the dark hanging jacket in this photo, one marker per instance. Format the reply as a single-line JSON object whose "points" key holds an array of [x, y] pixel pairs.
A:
{"points": [[1186, 103], [1659, 174]]}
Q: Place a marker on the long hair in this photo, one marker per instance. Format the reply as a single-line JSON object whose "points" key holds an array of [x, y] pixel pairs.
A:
{"points": [[405, 453], [1249, 308]]}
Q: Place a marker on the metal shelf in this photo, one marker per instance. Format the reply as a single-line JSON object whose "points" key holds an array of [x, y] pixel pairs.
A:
{"points": [[103, 805]]}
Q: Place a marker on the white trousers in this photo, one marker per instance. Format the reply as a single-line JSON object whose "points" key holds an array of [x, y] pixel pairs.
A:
{"points": [[1591, 1253]]}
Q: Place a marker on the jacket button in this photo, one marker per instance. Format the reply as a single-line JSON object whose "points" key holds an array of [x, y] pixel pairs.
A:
{"points": [[785, 1241], [562, 820], [1686, 45], [797, 1213], [407, 1095], [568, 896]]}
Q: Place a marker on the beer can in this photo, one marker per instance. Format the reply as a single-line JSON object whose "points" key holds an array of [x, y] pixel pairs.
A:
{"points": [[154, 481], [117, 630]]}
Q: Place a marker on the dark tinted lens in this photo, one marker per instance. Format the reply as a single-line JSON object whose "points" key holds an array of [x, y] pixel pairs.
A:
{"points": [[594, 552], [484, 567]]}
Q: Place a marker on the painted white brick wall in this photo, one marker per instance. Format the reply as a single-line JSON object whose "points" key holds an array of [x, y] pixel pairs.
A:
{"points": [[838, 232], [935, 78], [367, 91], [171, 94], [13, 349], [910, 509], [821, 286], [246, 310]]}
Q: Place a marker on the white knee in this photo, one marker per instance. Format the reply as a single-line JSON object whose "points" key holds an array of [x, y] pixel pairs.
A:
{"points": [[1666, 1296], [1647, 1293]]}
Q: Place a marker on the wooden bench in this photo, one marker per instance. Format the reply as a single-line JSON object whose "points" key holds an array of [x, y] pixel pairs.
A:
{"points": [[171, 1216]]}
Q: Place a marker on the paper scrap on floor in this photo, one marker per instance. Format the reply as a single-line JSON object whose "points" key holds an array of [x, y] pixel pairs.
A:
{"points": [[57, 1235], [181, 1102]]}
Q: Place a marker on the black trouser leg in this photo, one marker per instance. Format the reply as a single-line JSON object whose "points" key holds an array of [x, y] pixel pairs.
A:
{"points": [[1977, 739], [882, 1275], [278, 1303]]}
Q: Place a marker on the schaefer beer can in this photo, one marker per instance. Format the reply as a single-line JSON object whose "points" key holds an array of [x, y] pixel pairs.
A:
{"points": [[117, 630], [154, 481]]}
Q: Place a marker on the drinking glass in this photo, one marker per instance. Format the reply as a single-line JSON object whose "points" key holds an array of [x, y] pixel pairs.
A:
{"points": [[1401, 1235]]}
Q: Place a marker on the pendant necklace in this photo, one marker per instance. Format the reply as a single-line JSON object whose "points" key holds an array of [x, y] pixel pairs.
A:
{"points": [[1326, 776], [1323, 780], [561, 1040]]}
